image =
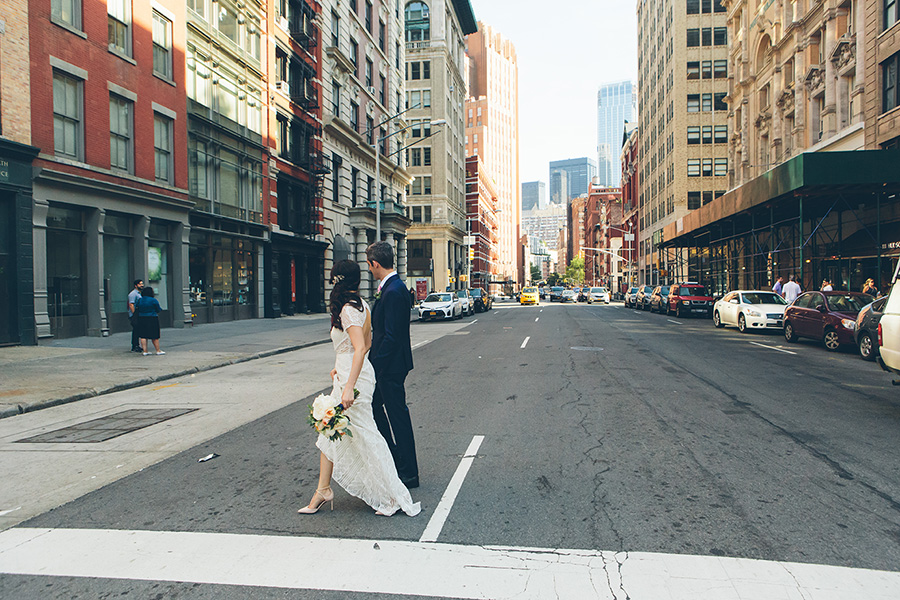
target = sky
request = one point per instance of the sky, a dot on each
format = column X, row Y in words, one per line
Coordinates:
column 566, row 49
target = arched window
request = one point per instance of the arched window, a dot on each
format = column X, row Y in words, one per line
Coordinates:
column 763, row 52
column 418, row 25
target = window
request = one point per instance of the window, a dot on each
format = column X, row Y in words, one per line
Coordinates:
column 417, row 214
column 720, row 69
column 162, row 148
column 370, row 131
column 381, row 35
column 66, row 11
column 693, row 69
column 721, row 169
column 228, row 22
column 890, row 13
column 706, row 104
column 426, row 185
column 426, row 98
column 415, row 70
column 368, row 16
column 354, row 115
column 693, row 200
column 67, row 119
column 707, row 69
column 336, row 99
column 426, row 157
column 415, row 157
column 382, row 94
column 336, row 162
column 120, row 133
column 693, row 103
column 707, row 7
column 693, row 135
column 198, row 6
column 693, row 7
column 162, row 46
column 719, row 101
column 718, row 7
column 707, row 36
column 354, row 178
column 720, row 36
column 353, row 6
column 284, row 136
column 693, row 38
column 707, row 197
column 397, row 55
column 426, row 69
column 707, row 134
column 368, row 73
column 890, row 69
column 119, row 25
column 693, row 167
column 721, row 134
column 707, row 167
column 416, row 189
column 335, row 30
column 354, row 56
column 417, row 24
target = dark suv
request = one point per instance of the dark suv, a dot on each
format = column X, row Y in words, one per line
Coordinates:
column 556, row 293
column 689, row 298
column 482, row 300
column 642, row 299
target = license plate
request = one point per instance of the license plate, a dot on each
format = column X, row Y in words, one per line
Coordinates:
column 432, row 314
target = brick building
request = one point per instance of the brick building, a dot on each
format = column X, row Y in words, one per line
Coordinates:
column 482, row 201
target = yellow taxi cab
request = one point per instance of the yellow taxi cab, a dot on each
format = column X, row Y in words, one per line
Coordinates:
column 529, row 296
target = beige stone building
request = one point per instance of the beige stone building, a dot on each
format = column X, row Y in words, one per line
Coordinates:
column 682, row 84
column 435, row 69
column 492, row 131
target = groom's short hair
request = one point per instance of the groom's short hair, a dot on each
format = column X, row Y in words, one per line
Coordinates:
column 382, row 253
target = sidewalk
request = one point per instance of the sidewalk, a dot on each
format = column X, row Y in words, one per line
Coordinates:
column 61, row 371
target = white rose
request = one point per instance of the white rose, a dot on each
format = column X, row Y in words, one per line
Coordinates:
column 321, row 405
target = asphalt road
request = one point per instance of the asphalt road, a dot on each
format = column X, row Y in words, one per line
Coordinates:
column 604, row 429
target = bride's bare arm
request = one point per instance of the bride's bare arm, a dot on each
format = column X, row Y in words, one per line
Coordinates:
column 360, row 347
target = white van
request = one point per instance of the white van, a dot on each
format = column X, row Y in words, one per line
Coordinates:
column 889, row 330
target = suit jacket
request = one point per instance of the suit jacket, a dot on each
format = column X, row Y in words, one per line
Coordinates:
column 391, row 351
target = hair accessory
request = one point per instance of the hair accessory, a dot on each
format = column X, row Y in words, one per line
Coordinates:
column 337, row 278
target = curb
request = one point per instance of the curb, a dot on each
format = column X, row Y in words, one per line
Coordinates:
column 20, row 409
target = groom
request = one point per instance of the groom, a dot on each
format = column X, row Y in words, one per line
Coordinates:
column 391, row 356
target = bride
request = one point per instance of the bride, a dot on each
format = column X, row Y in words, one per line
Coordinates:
column 360, row 463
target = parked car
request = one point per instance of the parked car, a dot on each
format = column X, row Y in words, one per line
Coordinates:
column 468, row 305
column 867, row 328
column 889, row 330
column 750, row 310
column 442, row 305
column 630, row 297
column 483, row 300
column 530, row 295
column 598, row 294
column 642, row 299
column 826, row 316
column 688, row 298
column 658, row 298
column 567, row 296
column 556, row 293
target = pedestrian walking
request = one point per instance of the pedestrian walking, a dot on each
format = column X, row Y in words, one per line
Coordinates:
column 777, row 288
column 148, row 309
column 869, row 288
column 133, row 296
column 826, row 285
column 791, row 289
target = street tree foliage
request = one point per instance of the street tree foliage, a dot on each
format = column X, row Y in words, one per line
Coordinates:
column 553, row 279
column 535, row 273
column 575, row 270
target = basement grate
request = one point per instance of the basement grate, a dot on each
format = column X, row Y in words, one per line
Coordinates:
column 108, row 427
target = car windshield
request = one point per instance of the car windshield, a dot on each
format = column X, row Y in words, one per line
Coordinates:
column 848, row 303
column 696, row 290
column 529, row 291
column 598, row 290
column 438, row 298
column 663, row 290
column 476, row 293
column 762, row 298
column 568, row 293
column 647, row 289
column 556, row 289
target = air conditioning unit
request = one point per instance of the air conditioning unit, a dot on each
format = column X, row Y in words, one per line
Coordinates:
column 282, row 86
column 283, row 22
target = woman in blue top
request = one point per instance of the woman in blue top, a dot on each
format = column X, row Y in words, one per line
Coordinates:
column 147, row 309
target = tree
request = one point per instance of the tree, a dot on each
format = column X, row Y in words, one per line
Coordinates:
column 553, row 279
column 575, row 270
column 535, row 273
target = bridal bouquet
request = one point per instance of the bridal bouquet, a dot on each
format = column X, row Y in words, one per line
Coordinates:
column 327, row 416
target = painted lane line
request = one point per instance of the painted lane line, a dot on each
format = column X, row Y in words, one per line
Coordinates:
column 3, row 513
column 676, row 322
column 536, row 319
column 420, row 344
column 442, row 570
column 773, row 348
column 439, row 517
column 525, row 342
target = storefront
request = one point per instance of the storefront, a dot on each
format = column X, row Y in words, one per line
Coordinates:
column 16, row 259
column 296, row 268
column 833, row 215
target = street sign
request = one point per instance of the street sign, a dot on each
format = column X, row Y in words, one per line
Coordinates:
column 469, row 240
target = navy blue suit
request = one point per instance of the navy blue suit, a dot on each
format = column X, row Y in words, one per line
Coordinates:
column 391, row 357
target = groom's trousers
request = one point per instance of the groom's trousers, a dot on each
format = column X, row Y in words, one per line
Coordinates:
column 392, row 418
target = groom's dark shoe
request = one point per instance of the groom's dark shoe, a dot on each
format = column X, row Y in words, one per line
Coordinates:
column 412, row 482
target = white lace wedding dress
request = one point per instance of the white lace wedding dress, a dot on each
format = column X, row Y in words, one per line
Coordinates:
column 363, row 465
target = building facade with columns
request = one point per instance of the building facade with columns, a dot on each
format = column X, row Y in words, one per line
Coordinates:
column 435, row 33
column 364, row 104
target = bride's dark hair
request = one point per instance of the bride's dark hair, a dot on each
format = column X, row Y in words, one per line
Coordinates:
column 345, row 278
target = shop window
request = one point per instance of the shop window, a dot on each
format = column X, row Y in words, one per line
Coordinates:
column 65, row 263
column 118, row 260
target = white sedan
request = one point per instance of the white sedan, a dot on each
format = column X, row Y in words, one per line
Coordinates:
column 598, row 294
column 750, row 310
column 443, row 305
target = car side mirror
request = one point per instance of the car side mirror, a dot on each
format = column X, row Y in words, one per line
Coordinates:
column 822, row 308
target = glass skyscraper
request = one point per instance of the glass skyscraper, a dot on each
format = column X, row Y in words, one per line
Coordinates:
column 570, row 178
column 615, row 105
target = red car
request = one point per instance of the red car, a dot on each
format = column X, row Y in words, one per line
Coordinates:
column 826, row 316
column 689, row 298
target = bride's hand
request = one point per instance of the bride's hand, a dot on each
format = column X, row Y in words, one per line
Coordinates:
column 333, row 373
column 347, row 397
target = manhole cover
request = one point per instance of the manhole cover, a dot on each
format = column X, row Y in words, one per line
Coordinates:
column 587, row 348
column 106, row 428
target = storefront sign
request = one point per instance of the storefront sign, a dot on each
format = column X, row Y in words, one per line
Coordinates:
column 890, row 246
column 15, row 172
column 4, row 170
column 421, row 288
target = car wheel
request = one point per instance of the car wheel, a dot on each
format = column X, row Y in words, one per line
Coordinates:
column 831, row 341
column 742, row 324
column 678, row 311
column 866, row 346
column 789, row 333
column 717, row 320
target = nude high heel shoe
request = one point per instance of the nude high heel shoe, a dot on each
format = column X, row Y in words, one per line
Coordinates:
column 326, row 494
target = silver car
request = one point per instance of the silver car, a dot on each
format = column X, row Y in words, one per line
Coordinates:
column 598, row 294
column 468, row 302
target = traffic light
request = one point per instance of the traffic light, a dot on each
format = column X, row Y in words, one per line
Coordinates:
column 471, row 253
column 449, row 273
